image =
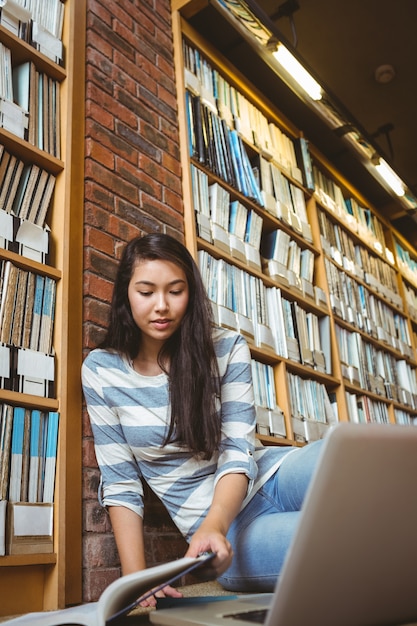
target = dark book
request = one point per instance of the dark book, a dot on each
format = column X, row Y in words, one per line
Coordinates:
column 304, row 162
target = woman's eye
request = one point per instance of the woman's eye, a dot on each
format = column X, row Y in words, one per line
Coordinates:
column 145, row 293
column 177, row 292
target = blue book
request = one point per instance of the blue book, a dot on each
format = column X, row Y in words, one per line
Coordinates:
column 50, row 456
column 37, row 312
column 47, row 317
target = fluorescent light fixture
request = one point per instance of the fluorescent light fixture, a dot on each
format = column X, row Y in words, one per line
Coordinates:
column 390, row 177
column 297, row 71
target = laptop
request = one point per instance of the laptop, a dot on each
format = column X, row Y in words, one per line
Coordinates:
column 353, row 559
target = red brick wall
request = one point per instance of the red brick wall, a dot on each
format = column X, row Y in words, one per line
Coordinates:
column 132, row 186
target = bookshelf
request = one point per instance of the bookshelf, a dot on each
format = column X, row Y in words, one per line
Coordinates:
column 325, row 293
column 34, row 580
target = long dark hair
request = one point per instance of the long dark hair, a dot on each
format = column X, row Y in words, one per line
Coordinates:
column 193, row 372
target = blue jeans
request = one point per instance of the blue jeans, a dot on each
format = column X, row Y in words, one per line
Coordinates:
column 262, row 532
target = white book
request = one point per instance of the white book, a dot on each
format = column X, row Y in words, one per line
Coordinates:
column 120, row 597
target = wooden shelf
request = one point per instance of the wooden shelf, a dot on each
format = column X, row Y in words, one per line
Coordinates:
column 54, row 580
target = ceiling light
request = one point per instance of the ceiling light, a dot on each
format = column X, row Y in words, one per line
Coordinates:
column 390, row 177
column 297, row 71
column 257, row 28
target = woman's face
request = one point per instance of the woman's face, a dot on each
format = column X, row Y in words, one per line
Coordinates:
column 158, row 295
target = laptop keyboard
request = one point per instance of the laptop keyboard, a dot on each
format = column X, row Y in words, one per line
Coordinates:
column 257, row 616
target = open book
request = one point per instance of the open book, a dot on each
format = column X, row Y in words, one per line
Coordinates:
column 118, row 598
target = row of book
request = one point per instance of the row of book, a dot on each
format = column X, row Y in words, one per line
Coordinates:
column 360, row 219
column 287, row 262
column 29, row 103
column 27, row 371
column 38, row 22
column 376, row 370
column 283, row 198
column 411, row 299
column 313, row 410
column 219, row 148
column 38, row 94
column 407, row 263
column 355, row 258
column 241, row 301
column 26, row 189
column 217, row 111
column 27, row 308
column 226, row 222
column 28, row 455
column 269, row 416
column 404, row 417
column 356, row 304
column 239, row 113
column 28, row 448
column 364, row 410
column 12, row 117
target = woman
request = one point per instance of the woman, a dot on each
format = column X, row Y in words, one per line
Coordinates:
column 170, row 401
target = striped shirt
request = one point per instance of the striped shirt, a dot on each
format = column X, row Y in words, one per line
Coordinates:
column 130, row 413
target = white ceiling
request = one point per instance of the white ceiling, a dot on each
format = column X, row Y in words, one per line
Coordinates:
column 343, row 42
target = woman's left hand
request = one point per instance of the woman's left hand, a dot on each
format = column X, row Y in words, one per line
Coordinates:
column 166, row 592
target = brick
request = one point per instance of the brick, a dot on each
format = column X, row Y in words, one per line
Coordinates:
column 86, row 426
column 172, row 164
column 135, row 105
column 99, row 153
column 98, row 61
column 100, row 115
column 96, row 518
column 97, row 213
column 99, row 240
column 116, row 143
column 157, row 104
column 100, row 550
column 124, row 14
column 100, row 10
column 91, row 481
column 92, row 336
column 137, row 142
column 108, row 179
column 141, row 219
column 103, row 265
column 173, row 200
column 108, row 34
column 154, row 136
column 95, row 582
column 123, row 229
column 88, row 454
column 96, row 312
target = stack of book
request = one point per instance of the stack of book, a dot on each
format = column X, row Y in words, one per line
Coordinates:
column 27, row 311
column 39, row 22
column 269, row 416
column 284, row 260
column 229, row 224
column 13, row 117
column 38, row 94
column 312, row 409
column 25, row 197
column 28, row 451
